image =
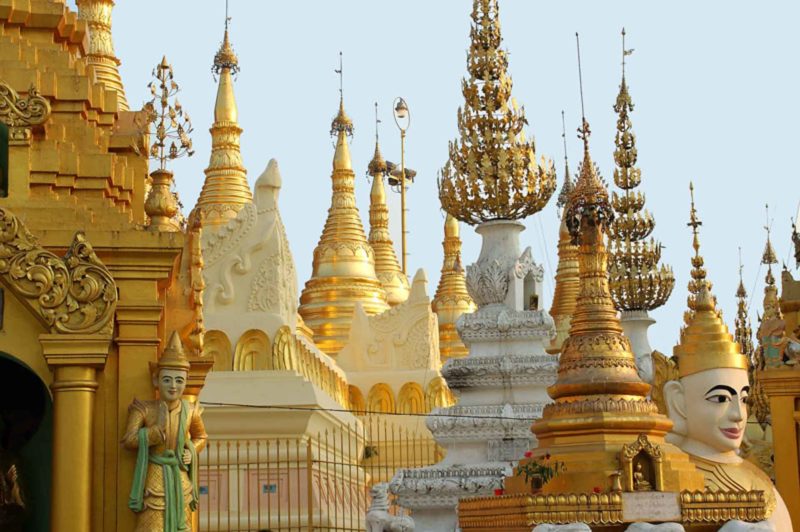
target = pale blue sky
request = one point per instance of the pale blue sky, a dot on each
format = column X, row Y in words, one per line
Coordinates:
column 714, row 83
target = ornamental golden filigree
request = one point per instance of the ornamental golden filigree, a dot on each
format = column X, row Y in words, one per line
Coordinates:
column 21, row 114
column 76, row 294
column 492, row 172
column 635, row 279
column 164, row 110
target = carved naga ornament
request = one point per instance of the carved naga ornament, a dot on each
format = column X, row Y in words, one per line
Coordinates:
column 21, row 114
column 73, row 294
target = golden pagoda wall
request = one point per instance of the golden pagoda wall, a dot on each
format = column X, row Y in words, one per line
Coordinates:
column 74, row 165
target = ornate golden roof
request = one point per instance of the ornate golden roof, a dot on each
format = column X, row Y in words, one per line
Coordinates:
column 635, row 278
column 225, row 190
column 743, row 332
column 388, row 270
column 343, row 272
column 100, row 54
column 452, row 298
column 705, row 342
column 492, row 171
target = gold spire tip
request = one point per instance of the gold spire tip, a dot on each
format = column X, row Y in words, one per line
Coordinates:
column 341, row 122
column 225, row 57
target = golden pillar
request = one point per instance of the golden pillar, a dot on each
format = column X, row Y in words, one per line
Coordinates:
column 74, row 359
column 782, row 386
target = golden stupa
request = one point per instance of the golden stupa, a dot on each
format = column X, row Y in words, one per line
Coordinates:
column 452, row 298
column 567, row 278
column 343, row 271
column 387, row 268
column 225, row 189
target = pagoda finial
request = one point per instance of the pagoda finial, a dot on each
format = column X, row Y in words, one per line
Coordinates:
column 492, row 176
column 225, row 57
column 568, row 185
column 341, row 125
column 638, row 282
column 377, row 166
column 225, row 189
column 698, row 272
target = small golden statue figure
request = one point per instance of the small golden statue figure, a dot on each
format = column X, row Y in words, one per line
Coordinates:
column 640, row 483
column 167, row 434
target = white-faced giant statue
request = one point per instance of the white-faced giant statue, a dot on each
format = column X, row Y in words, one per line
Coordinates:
column 707, row 404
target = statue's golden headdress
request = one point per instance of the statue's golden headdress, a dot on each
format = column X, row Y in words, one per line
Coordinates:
column 705, row 341
column 173, row 356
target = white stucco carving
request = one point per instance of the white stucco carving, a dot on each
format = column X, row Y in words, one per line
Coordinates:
column 249, row 271
column 500, row 386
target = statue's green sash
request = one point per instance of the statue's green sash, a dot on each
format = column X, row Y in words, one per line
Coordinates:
column 171, row 463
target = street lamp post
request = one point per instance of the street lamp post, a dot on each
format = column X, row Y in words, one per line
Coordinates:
column 402, row 117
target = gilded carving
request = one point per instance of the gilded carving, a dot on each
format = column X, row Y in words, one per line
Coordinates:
column 21, row 114
column 76, row 294
column 641, row 463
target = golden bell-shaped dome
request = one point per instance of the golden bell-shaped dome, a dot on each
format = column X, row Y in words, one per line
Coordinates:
column 343, row 271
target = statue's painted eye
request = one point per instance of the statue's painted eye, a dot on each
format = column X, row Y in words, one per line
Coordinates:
column 718, row 398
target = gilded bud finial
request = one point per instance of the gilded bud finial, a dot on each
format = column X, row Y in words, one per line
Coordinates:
column 698, row 272
column 377, row 166
column 492, row 171
column 638, row 282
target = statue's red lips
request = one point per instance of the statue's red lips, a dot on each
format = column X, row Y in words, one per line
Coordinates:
column 732, row 433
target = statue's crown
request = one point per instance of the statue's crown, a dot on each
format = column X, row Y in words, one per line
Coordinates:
column 173, row 356
column 705, row 341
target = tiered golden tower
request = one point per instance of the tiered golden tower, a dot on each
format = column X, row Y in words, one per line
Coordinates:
column 600, row 403
column 451, row 299
column 565, row 295
column 225, row 190
column 636, row 281
column 492, row 176
column 387, row 268
column 344, row 263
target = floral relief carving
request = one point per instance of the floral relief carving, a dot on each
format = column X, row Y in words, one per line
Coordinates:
column 73, row 294
column 487, row 283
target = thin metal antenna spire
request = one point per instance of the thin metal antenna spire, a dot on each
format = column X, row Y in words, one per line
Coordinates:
column 583, row 131
column 741, row 266
column 377, row 121
column 564, row 136
column 341, row 81
column 580, row 75
column 227, row 18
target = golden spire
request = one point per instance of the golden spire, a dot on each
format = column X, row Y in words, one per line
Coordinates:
column 698, row 272
column 452, row 298
column 388, row 270
column 600, row 403
column 496, row 175
column 635, row 278
column 343, row 271
column 743, row 332
column 100, row 53
column 565, row 295
column 768, row 258
column 225, row 190
column 705, row 342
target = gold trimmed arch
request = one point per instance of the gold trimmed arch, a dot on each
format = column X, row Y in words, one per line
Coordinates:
column 356, row 399
column 284, row 350
column 381, row 399
column 217, row 347
column 252, row 351
column 411, row 399
column 438, row 394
